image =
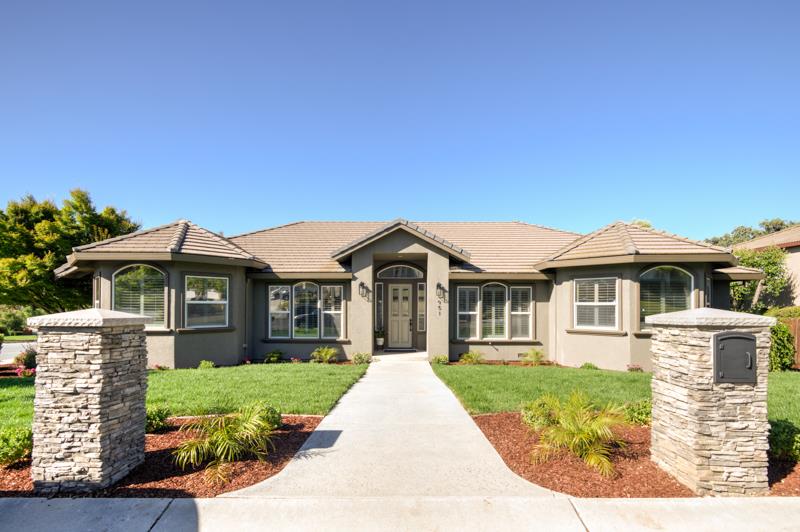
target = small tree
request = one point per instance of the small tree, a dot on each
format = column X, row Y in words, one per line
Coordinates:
column 758, row 296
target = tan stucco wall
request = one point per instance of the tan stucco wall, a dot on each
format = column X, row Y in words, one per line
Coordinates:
column 793, row 268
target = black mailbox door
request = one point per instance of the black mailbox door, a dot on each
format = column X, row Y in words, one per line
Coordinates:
column 735, row 357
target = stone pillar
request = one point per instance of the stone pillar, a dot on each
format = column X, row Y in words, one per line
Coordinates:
column 711, row 436
column 89, row 409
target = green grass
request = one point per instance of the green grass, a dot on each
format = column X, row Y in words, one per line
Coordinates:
column 485, row 389
column 20, row 338
column 292, row 388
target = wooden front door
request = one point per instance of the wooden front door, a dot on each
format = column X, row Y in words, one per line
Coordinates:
column 399, row 316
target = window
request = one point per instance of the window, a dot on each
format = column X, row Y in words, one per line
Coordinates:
column 521, row 311
column 306, row 310
column 467, row 306
column 493, row 311
column 206, row 301
column 332, row 311
column 664, row 289
column 279, row 311
column 421, row 307
column 379, row 307
column 139, row 289
column 596, row 303
column 400, row 272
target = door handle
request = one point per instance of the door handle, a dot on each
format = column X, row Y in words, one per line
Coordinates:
column 749, row 360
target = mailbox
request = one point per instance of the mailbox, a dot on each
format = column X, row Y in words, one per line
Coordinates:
column 734, row 357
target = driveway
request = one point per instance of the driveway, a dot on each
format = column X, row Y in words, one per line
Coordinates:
column 10, row 350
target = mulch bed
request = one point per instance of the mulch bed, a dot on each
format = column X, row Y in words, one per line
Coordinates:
column 158, row 476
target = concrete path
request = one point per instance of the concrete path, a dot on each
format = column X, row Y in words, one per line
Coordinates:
column 399, row 431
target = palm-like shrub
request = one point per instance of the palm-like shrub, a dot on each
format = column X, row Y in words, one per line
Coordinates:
column 581, row 428
column 471, row 357
column 225, row 439
column 534, row 357
column 324, row 354
column 440, row 359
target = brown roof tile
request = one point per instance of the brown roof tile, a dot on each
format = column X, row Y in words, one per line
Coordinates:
column 786, row 238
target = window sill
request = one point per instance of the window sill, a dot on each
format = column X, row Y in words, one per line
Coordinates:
column 597, row 332
column 643, row 334
column 498, row 341
column 157, row 331
column 336, row 341
column 193, row 330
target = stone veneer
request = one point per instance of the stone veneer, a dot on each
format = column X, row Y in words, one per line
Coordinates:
column 711, row 437
column 89, row 409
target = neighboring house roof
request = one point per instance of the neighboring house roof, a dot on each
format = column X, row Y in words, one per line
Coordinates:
column 495, row 247
column 621, row 242
column 785, row 238
column 738, row 273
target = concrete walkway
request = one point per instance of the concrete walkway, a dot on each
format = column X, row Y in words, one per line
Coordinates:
column 399, row 431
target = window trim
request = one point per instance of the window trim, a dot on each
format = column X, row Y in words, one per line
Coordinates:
column 506, row 305
column 186, row 301
column 575, row 304
column 148, row 326
column 390, row 266
column 477, row 312
column 271, row 287
column 322, row 313
column 692, row 301
column 422, row 312
column 529, row 313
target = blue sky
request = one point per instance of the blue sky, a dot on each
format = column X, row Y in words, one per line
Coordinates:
column 242, row 115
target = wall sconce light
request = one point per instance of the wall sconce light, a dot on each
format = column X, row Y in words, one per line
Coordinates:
column 441, row 291
column 363, row 289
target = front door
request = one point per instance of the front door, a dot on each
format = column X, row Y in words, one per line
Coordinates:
column 399, row 316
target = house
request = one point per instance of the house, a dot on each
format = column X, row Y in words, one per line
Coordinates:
column 789, row 240
column 501, row 288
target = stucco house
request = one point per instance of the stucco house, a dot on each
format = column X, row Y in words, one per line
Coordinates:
column 442, row 287
column 789, row 240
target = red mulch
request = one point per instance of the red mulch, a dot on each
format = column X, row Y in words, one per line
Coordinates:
column 158, row 476
column 784, row 478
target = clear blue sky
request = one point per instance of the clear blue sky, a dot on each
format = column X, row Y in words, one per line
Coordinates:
column 242, row 115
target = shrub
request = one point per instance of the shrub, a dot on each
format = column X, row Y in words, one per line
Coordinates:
column 471, row 357
column 15, row 444
column 362, row 358
column 784, row 440
column 440, row 359
column 783, row 312
column 13, row 320
column 533, row 357
column 206, row 364
column 781, row 353
column 588, row 365
column 2, row 337
column 635, row 368
column 27, row 358
column 541, row 412
column 295, row 360
column 273, row 357
column 325, row 354
column 639, row 412
column 156, row 418
column 225, row 439
column 24, row 372
column 581, row 428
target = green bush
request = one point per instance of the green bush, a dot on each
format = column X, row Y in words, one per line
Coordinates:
column 273, row 357
column 781, row 352
column 2, row 337
column 440, row 359
column 15, row 444
column 784, row 440
column 639, row 412
column 222, row 440
column 27, row 358
column 13, row 320
column 325, row 354
column 581, row 428
column 783, row 312
column 156, row 418
column 471, row 357
column 541, row 412
column 533, row 357
column 362, row 358
column 588, row 365
column 635, row 368
column 206, row 364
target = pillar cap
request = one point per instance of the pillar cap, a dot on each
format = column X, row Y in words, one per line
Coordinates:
column 90, row 317
column 710, row 317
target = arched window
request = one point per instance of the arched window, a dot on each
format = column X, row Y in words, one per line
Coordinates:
column 664, row 289
column 493, row 311
column 400, row 272
column 306, row 310
column 139, row 289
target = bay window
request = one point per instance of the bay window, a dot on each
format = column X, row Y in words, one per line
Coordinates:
column 139, row 289
column 664, row 289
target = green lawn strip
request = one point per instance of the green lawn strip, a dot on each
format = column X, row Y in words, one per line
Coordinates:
column 19, row 338
column 783, row 401
column 292, row 388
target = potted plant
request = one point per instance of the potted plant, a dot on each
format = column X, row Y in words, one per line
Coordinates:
column 379, row 338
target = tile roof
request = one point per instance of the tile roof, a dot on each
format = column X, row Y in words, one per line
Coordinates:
column 508, row 247
column 786, row 238
column 400, row 223
column 621, row 239
column 181, row 236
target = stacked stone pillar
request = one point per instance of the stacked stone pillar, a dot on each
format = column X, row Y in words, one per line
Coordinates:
column 89, row 408
column 711, row 436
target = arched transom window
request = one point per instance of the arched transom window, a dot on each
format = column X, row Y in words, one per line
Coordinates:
column 139, row 289
column 664, row 289
column 400, row 272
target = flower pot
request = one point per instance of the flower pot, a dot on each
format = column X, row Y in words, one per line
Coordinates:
column 379, row 341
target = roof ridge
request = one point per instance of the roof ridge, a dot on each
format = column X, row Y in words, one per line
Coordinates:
column 627, row 241
column 679, row 237
column 125, row 236
column 180, row 235
column 224, row 241
column 578, row 241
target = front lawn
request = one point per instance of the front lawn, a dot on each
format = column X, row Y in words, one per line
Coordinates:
column 20, row 338
column 293, row 388
column 484, row 389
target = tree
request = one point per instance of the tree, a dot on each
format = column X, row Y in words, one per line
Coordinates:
column 744, row 233
column 758, row 296
column 36, row 237
column 645, row 224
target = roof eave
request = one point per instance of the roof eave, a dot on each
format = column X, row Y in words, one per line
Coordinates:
column 638, row 258
column 164, row 256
